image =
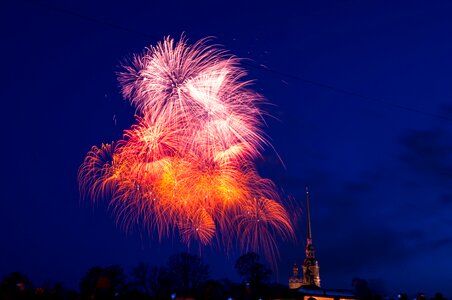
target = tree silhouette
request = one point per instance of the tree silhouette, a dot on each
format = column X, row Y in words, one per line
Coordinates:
column 254, row 275
column 140, row 276
column 251, row 270
column 15, row 286
column 160, row 282
column 51, row 290
column 187, row 273
column 152, row 281
column 361, row 288
column 214, row 290
column 103, row 283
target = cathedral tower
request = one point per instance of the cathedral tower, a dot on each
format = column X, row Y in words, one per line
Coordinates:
column 311, row 276
column 295, row 281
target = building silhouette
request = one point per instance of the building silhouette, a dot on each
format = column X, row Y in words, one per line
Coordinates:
column 308, row 286
column 311, row 270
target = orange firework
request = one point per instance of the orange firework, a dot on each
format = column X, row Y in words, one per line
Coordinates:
column 186, row 166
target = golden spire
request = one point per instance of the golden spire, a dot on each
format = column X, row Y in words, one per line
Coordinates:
column 311, row 277
column 308, row 219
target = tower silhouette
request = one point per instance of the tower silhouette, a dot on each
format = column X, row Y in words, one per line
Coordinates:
column 311, row 276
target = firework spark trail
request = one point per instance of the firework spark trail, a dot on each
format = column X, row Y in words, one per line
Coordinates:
column 186, row 165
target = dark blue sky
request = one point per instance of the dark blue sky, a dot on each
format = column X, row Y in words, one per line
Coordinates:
column 380, row 175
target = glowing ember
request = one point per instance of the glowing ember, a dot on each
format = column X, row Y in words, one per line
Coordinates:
column 186, row 165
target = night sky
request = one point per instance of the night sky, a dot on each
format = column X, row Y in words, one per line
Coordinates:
column 361, row 99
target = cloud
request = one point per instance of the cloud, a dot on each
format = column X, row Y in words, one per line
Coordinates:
column 445, row 199
column 352, row 231
column 349, row 239
column 446, row 110
column 441, row 243
column 359, row 187
column 365, row 246
column 429, row 152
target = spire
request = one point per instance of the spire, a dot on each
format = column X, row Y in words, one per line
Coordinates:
column 311, row 277
column 308, row 219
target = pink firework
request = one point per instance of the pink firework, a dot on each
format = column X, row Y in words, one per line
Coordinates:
column 186, row 166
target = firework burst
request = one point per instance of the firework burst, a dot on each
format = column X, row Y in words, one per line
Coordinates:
column 186, row 166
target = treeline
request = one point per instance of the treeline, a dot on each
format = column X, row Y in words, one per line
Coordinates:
column 185, row 276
